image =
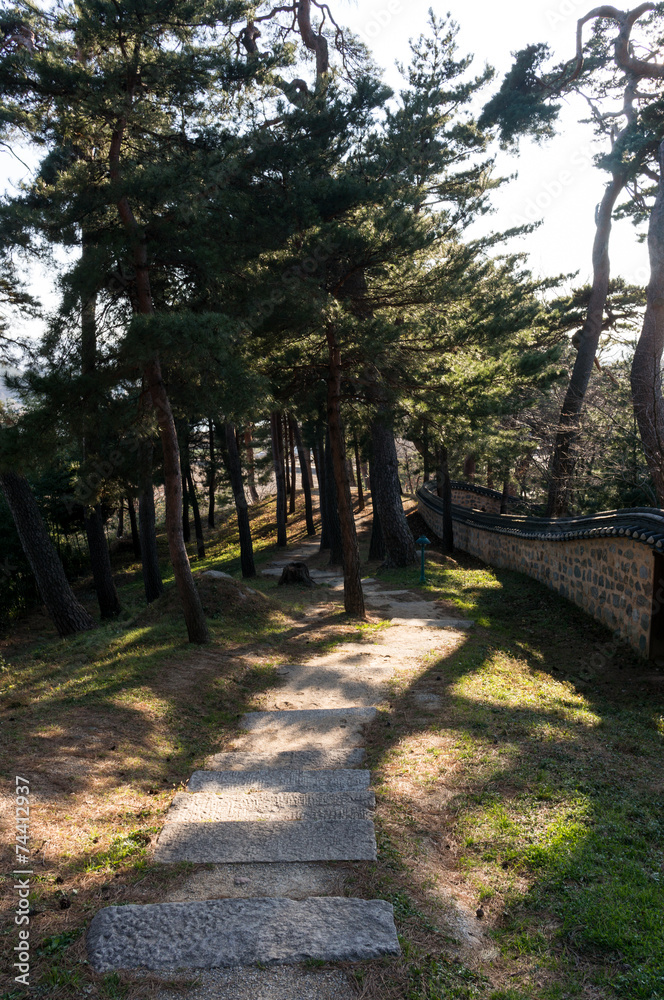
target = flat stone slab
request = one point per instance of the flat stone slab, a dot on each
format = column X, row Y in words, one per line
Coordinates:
column 288, row 759
column 230, row 932
column 296, row 880
column 304, row 729
column 278, row 780
column 457, row 623
column 267, row 840
column 332, row 685
column 308, row 717
column 278, row 982
column 292, row 806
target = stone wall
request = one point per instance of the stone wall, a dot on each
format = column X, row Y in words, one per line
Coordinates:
column 611, row 578
column 473, row 501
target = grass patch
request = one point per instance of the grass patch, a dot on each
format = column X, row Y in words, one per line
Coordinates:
column 532, row 798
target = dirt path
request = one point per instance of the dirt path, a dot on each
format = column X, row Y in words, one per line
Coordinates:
column 276, row 813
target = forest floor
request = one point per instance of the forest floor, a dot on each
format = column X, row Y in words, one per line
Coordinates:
column 518, row 774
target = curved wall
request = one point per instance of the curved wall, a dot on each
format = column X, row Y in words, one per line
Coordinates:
column 610, row 564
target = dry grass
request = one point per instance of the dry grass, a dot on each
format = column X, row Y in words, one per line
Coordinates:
column 528, row 791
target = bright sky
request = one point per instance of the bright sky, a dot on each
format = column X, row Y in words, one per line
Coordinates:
column 555, row 182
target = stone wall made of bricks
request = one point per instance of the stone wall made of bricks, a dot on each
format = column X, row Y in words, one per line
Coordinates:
column 610, row 578
column 475, row 501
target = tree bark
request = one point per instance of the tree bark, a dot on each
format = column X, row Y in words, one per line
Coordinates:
column 304, row 472
column 135, row 540
column 251, row 472
column 333, row 526
column 376, row 541
column 569, row 426
column 100, row 560
column 646, row 375
column 198, row 525
column 358, row 473
column 353, row 595
column 68, row 615
column 444, row 491
column 319, row 452
column 291, row 450
column 504, row 497
column 278, row 459
column 386, row 494
column 120, row 532
column 212, row 481
column 283, row 430
column 194, row 615
column 234, row 469
column 469, row 468
column 307, row 460
column 152, row 581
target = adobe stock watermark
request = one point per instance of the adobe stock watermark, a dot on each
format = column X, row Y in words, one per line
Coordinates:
column 554, row 187
column 290, row 279
column 565, row 10
column 379, row 20
column 22, row 883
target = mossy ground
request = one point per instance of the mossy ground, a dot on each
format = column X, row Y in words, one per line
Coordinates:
column 532, row 794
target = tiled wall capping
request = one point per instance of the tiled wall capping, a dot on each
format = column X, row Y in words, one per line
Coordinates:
column 611, row 564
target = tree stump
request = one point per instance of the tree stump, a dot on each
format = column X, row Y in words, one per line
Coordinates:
column 296, row 572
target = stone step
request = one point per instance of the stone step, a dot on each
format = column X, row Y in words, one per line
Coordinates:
column 291, row 806
column 304, row 760
column 229, row 932
column 279, row 780
column 304, row 729
column 456, row 623
column 330, row 685
column 294, row 879
column 308, row 717
column 267, row 840
column 278, row 982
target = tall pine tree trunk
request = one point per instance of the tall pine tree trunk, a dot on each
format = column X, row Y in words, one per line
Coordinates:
column 358, row 473
column 444, row 491
column 251, row 471
column 212, row 481
column 386, row 494
column 353, row 596
column 306, row 485
column 285, row 459
column 278, row 460
column 569, row 426
column 646, row 375
column 198, row 525
column 68, row 615
column 291, row 451
column 319, row 452
column 100, row 558
column 234, row 469
column 120, row 532
column 147, row 528
column 135, row 540
column 376, row 540
column 332, row 512
column 194, row 615
column 505, row 495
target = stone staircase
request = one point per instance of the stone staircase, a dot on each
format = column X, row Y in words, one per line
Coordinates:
column 291, row 797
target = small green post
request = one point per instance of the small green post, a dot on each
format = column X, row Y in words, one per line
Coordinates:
column 422, row 541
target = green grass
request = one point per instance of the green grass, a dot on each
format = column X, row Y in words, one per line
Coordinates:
column 552, row 751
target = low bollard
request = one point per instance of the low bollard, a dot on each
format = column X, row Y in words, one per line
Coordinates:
column 422, row 541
